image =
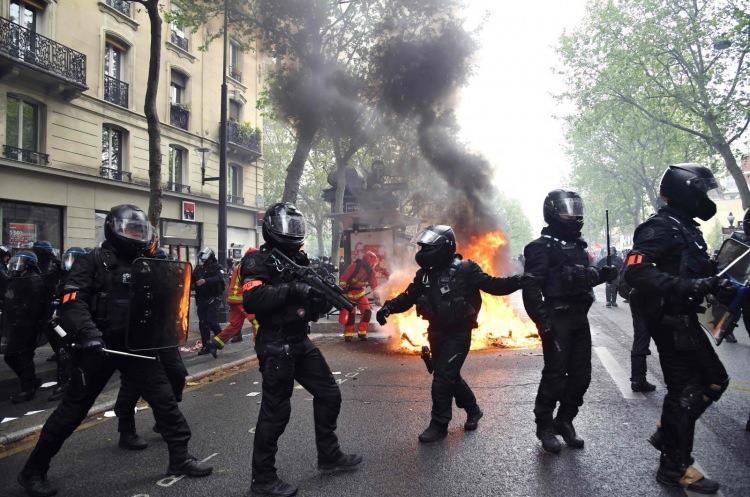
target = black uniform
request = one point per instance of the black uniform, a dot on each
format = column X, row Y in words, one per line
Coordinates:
column 95, row 306
column 611, row 287
column 559, row 306
column 208, row 298
column 52, row 275
column 449, row 299
column 286, row 354
column 24, row 303
column 668, row 257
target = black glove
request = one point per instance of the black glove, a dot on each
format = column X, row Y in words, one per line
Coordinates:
column 382, row 315
column 724, row 290
column 525, row 280
column 91, row 344
column 608, row 273
column 302, row 291
column 696, row 288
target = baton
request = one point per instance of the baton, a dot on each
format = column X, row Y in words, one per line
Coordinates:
column 609, row 255
column 61, row 332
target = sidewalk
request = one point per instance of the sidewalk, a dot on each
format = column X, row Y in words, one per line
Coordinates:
column 20, row 420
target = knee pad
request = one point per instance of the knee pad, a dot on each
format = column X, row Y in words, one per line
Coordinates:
column 366, row 315
column 714, row 391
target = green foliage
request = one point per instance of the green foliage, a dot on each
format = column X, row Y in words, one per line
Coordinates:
column 517, row 225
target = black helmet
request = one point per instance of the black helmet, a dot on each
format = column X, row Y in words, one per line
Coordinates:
column 44, row 251
column 284, row 226
column 70, row 256
column 206, row 255
column 23, row 261
column 126, row 227
column 563, row 211
column 685, row 187
column 437, row 246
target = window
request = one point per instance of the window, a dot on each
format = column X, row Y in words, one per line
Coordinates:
column 24, row 223
column 22, row 124
column 235, row 110
column 235, row 56
column 115, row 89
column 176, row 157
column 177, row 87
column 121, row 6
column 112, row 150
column 112, row 61
column 24, row 13
column 235, row 184
column 177, row 34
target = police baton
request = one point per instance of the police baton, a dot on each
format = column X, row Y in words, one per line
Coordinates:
column 62, row 334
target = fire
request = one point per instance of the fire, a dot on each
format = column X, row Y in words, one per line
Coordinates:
column 499, row 323
column 183, row 314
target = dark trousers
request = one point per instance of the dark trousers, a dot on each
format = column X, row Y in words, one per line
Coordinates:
column 280, row 366
column 641, row 342
column 19, row 355
column 91, row 374
column 692, row 371
column 449, row 351
column 567, row 367
column 130, row 391
column 208, row 318
column 610, row 290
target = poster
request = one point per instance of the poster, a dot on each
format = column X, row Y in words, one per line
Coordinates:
column 188, row 211
column 380, row 242
column 21, row 235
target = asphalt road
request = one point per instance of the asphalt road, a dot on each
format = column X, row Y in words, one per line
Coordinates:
column 386, row 404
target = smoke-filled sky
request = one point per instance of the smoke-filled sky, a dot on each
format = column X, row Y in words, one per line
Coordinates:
column 507, row 112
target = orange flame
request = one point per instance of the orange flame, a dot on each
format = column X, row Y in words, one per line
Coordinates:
column 499, row 323
column 183, row 314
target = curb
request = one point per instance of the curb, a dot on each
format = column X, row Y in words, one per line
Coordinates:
column 106, row 406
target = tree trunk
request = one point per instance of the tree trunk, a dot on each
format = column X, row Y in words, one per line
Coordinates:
column 338, row 207
column 734, row 169
column 319, row 230
column 294, row 171
column 152, row 117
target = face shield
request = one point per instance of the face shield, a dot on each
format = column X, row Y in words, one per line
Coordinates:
column 430, row 237
column 19, row 263
column 703, row 184
column 569, row 208
column 131, row 229
column 286, row 224
column 68, row 260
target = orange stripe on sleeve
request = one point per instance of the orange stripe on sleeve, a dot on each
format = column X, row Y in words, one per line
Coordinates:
column 249, row 285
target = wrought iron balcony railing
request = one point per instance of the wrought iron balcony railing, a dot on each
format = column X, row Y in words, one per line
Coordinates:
column 23, row 155
column 177, row 187
column 235, row 74
column 178, row 40
column 120, row 6
column 115, row 91
column 115, row 174
column 236, row 199
column 243, row 137
column 179, row 116
column 42, row 53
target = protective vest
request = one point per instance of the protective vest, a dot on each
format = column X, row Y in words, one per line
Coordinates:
column 356, row 278
column 568, row 261
column 449, row 301
column 110, row 305
column 235, row 281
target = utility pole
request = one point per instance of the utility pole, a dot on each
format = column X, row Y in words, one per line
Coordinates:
column 223, row 151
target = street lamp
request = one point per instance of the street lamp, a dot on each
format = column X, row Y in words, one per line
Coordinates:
column 730, row 220
column 204, row 153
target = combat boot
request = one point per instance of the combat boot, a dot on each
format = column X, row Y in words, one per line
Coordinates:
column 730, row 338
column 472, row 419
column 130, row 440
column 22, row 396
column 436, row 431
column 362, row 338
column 347, row 338
column 275, row 488
column 546, row 434
column 35, row 483
column 213, row 349
column 345, row 462
column 565, row 428
column 236, row 338
column 189, row 467
column 657, row 439
column 642, row 385
column 689, row 479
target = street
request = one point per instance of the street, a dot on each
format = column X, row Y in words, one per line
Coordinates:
column 386, row 403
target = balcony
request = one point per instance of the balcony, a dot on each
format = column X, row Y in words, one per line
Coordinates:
column 243, row 141
column 235, row 74
column 178, row 40
column 41, row 60
column 115, row 91
column 236, row 199
column 121, row 6
column 179, row 116
column 177, row 187
column 115, row 174
column 23, row 155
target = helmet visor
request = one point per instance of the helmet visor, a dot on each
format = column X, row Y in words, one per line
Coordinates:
column 704, row 184
column 140, row 231
column 569, row 208
column 287, row 224
column 68, row 260
column 18, row 264
column 429, row 237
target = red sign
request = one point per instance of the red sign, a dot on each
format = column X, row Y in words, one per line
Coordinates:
column 21, row 235
column 188, row 211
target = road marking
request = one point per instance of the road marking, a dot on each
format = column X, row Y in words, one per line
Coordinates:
column 348, row 376
column 696, row 494
column 171, row 480
column 617, row 373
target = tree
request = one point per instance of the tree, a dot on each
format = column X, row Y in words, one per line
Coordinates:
column 149, row 109
column 680, row 63
column 517, row 225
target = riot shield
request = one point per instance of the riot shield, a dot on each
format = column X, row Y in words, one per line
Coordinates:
column 159, row 304
column 733, row 263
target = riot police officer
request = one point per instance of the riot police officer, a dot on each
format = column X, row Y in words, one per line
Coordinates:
column 24, row 303
column 559, row 305
column 744, row 237
column 446, row 291
column 51, row 271
column 671, row 272
column 94, row 312
column 208, row 281
column 5, row 254
column 283, row 308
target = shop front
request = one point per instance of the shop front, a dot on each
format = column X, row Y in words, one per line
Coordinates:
column 181, row 239
column 25, row 223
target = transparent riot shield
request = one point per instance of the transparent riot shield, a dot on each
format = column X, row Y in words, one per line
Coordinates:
column 733, row 263
column 159, row 304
